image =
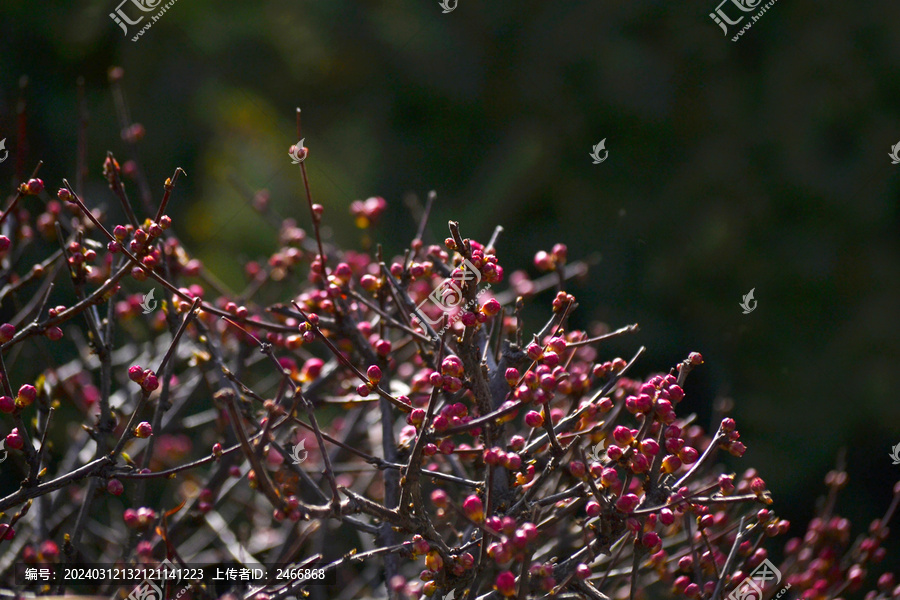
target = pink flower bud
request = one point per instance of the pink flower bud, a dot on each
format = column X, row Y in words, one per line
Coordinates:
column 115, row 487
column 737, row 449
column 506, row 584
column 609, row 477
column 150, row 382
column 534, row 419
column 550, row 358
column 666, row 516
column 27, row 394
column 560, row 252
column 473, row 508
column 416, row 417
column 688, row 455
column 439, row 498
column 130, row 517
column 136, row 373
column 491, row 307
column 651, row 539
column 452, row 366
column 374, row 374
column 577, row 469
column 143, row 430
column 7, row 404
column 726, row 484
column 543, row 261
column 14, row 440
column 757, row 486
column 34, row 186
column 534, row 351
column 383, row 348
column 512, row 461
column 640, row 463
column 650, row 447
column 623, row 435
column 671, row 463
column 7, row 332
column 627, row 503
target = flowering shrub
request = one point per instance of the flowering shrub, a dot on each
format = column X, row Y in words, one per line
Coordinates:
column 394, row 420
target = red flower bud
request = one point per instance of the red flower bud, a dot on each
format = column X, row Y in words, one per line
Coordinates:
column 14, row 440
column 27, row 394
column 506, row 583
column 34, row 186
column 534, row 351
column 7, row 332
column 623, row 435
column 671, row 463
column 627, row 503
column 115, row 487
column 534, row 419
column 143, row 430
column 439, row 498
column 491, row 307
column 473, row 508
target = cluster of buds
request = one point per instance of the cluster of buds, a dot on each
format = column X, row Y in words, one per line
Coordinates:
column 141, row 518
column 32, row 187
column 145, row 377
column 562, row 472
column 550, row 261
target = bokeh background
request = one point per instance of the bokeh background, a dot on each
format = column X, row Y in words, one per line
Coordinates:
column 758, row 164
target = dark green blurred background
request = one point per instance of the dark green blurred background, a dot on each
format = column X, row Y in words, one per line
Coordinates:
column 758, row 164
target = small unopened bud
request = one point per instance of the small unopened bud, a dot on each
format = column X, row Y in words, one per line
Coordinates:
column 136, row 373
column 143, row 430
column 27, row 394
column 34, row 186
column 473, row 508
column 491, row 307
column 115, row 487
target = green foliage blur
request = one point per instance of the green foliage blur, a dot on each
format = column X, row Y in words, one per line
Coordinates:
column 757, row 164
